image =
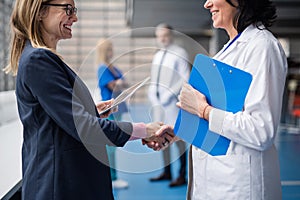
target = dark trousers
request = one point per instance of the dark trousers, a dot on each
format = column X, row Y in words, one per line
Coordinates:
column 167, row 159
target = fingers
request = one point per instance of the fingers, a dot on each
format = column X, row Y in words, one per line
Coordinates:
column 162, row 138
column 144, row 142
column 188, row 87
column 151, row 144
column 152, row 128
column 186, row 90
column 104, row 104
column 165, row 143
column 169, row 138
column 155, row 143
column 165, row 129
column 178, row 104
column 100, row 106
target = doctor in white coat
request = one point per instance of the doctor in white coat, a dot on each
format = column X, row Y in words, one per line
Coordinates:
column 250, row 168
column 170, row 69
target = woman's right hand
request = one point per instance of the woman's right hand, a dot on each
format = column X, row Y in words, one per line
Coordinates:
column 193, row 101
column 164, row 137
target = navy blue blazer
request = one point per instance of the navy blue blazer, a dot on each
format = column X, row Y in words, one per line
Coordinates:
column 63, row 154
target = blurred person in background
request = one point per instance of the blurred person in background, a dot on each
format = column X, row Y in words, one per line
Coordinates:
column 170, row 68
column 111, row 83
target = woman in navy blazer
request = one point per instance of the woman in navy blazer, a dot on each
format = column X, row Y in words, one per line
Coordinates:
column 63, row 153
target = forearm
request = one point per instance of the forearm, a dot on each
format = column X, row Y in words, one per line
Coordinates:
column 254, row 131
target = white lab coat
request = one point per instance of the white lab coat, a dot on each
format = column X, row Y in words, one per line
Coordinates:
column 174, row 71
column 250, row 169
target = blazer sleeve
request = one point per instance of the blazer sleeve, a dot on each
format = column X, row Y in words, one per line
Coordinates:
column 66, row 100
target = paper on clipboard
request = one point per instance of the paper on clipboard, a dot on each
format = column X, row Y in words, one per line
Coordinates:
column 125, row 95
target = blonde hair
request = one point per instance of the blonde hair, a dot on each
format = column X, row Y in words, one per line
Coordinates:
column 25, row 25
column 101, row 51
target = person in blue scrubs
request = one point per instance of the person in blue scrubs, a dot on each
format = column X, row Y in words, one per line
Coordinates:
column 111, row 83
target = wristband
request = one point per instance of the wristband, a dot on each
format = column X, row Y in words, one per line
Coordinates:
column 204, row 110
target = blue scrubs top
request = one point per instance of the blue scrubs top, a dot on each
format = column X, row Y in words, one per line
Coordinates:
column 105, row 76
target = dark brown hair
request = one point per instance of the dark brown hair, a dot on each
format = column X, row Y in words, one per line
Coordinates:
column 254, row 12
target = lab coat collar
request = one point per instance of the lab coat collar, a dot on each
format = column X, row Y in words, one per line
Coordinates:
column 249, row 33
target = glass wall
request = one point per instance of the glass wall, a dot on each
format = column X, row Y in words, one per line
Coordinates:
column 7, row 82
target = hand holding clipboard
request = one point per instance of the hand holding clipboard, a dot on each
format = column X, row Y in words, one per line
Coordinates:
column 225, row 87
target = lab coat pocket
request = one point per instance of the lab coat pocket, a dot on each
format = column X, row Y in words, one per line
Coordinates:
column 228, row 177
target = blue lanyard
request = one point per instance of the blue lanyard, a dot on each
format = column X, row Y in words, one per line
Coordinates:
column 234, row 39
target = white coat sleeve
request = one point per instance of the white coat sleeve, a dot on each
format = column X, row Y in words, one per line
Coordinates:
column 256, row 125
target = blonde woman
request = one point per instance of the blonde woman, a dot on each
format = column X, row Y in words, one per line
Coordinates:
column 64, row 139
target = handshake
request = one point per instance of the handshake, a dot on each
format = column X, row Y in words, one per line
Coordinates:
column 155, row 135
column 160, row 136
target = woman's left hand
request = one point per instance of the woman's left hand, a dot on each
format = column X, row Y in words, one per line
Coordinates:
column 192, row 100
column 105, row 104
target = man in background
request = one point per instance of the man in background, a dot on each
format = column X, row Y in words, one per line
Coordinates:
column 170, row 68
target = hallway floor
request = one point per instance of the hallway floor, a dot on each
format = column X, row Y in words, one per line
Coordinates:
column 145, row 163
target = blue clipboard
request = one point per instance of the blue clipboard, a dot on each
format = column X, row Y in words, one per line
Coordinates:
column 225, row 87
